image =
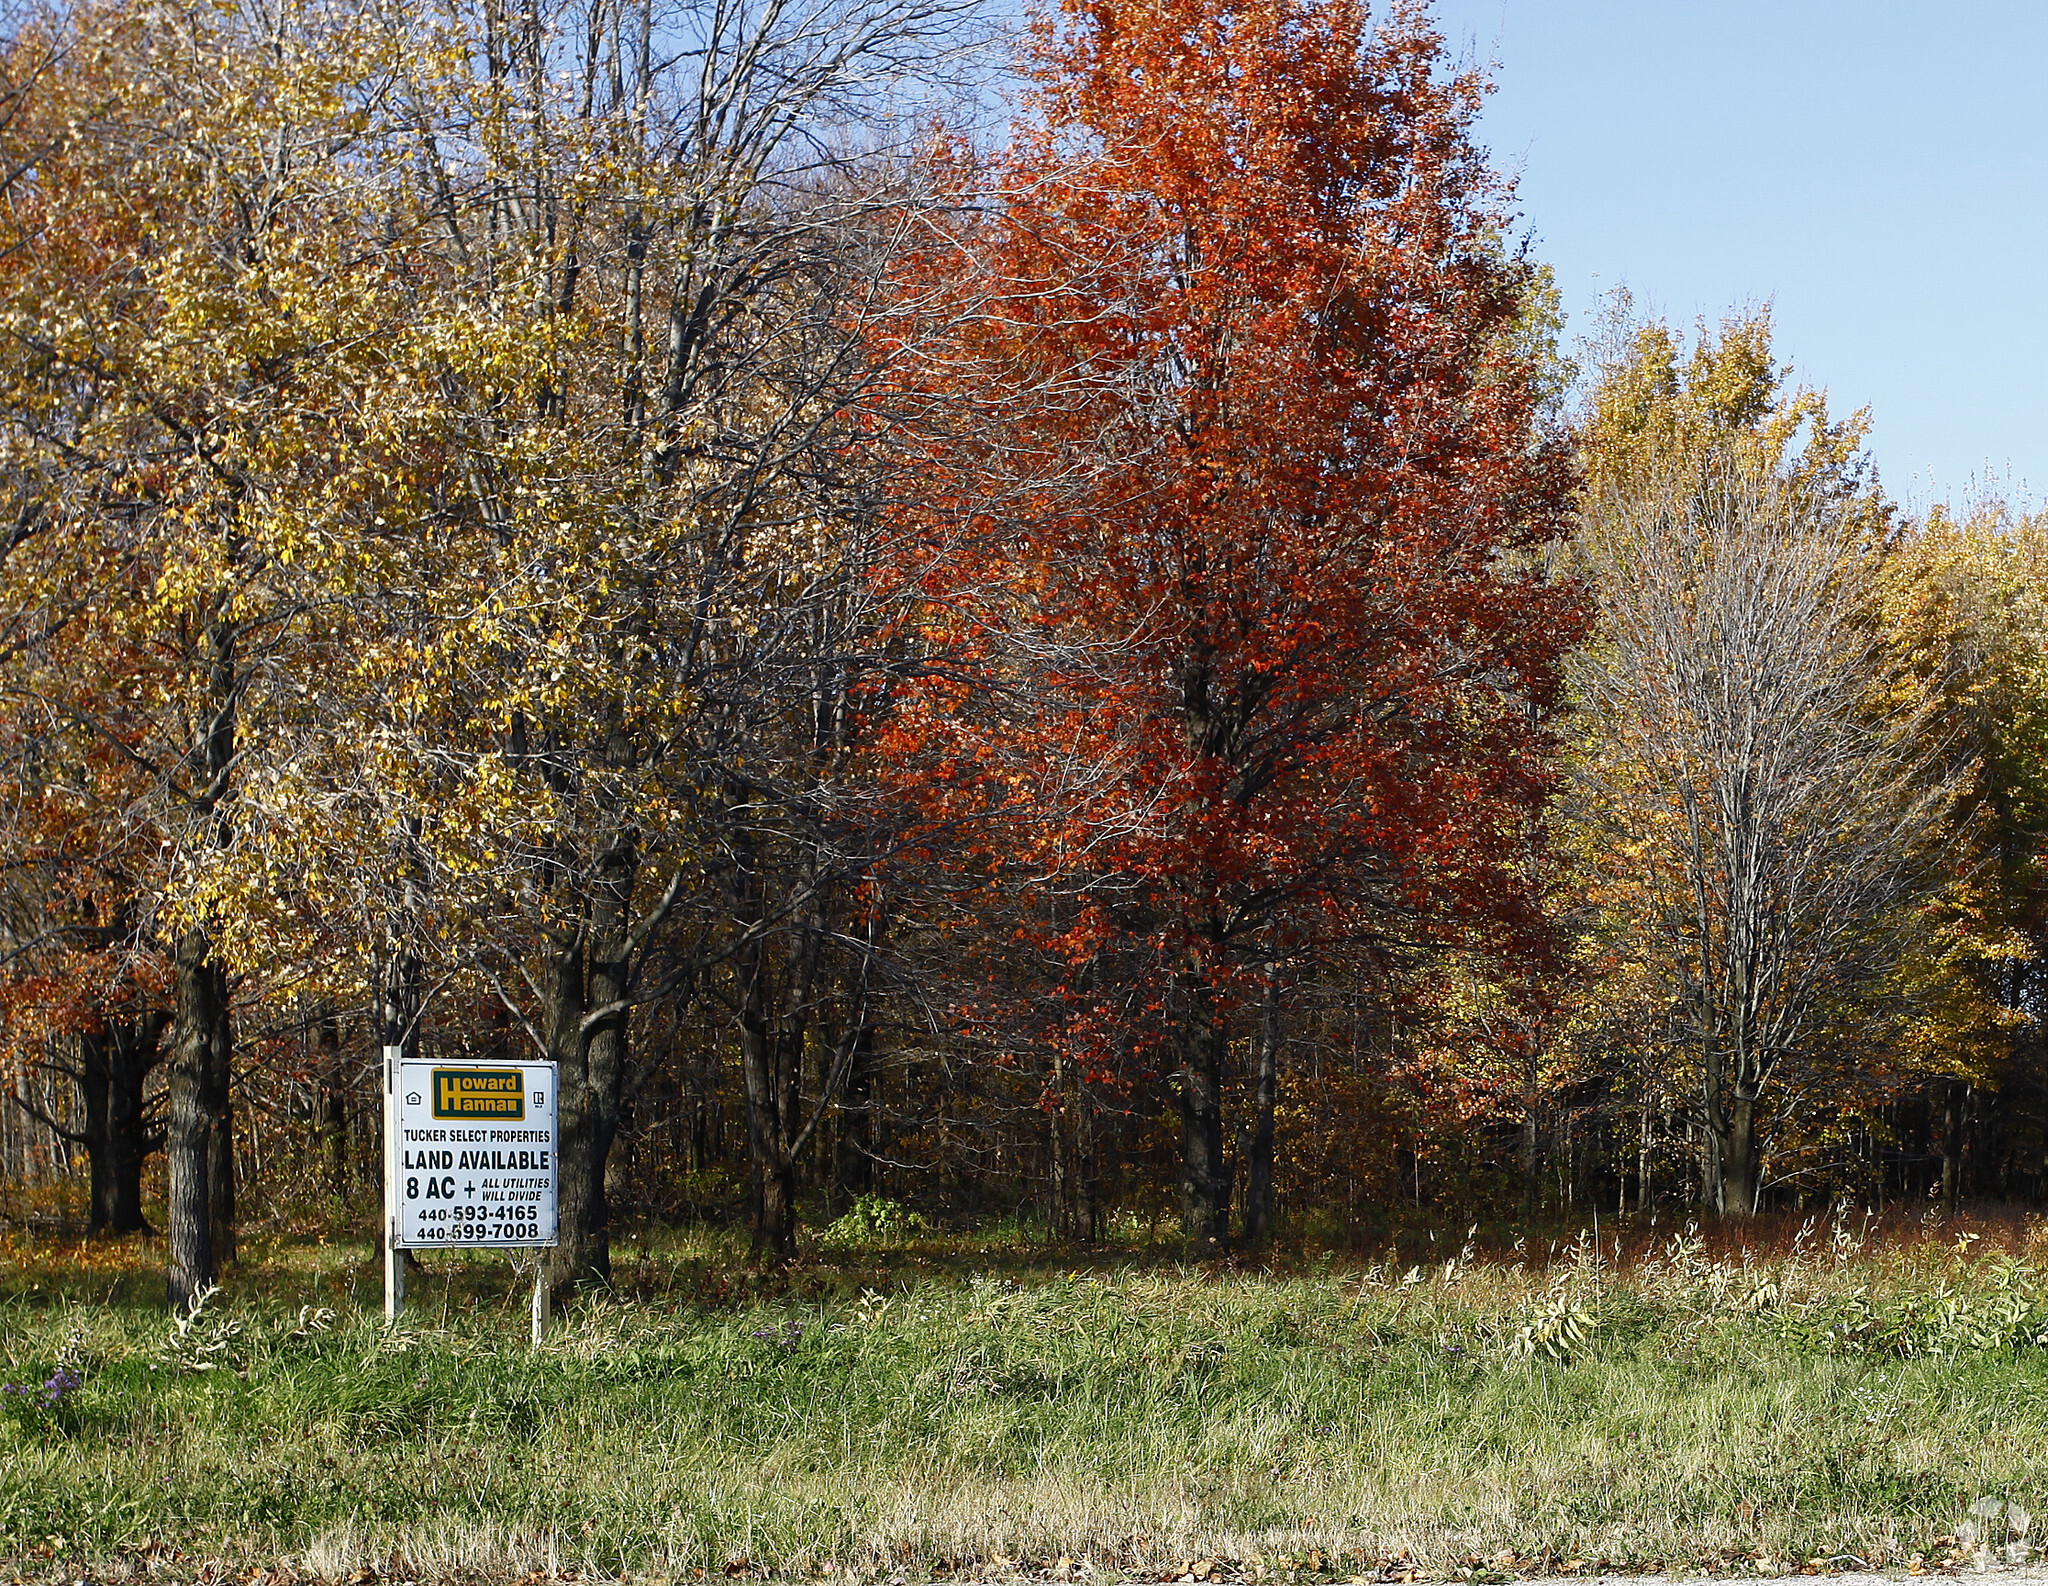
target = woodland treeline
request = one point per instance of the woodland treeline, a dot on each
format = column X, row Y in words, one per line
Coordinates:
column 1097, row 660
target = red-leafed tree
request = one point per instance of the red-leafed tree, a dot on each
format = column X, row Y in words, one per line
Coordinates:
column 1249, row 525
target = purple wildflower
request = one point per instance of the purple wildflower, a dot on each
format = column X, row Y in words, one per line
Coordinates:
column 51, row 1390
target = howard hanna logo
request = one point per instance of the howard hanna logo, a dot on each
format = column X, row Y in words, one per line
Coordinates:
column 496, row 1093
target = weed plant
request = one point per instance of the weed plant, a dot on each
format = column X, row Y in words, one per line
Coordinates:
column 938, row 1409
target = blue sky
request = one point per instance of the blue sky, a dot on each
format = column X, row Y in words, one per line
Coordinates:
column 1877, row 171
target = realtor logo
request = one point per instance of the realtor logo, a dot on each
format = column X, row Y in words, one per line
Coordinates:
column 496, row 1093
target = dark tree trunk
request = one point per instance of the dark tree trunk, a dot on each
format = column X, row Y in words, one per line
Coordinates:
column 1059, row 1197
column 589, row 1020
column 1985, row 1171
column 620, row 1164
column 580, row 1183
column 792, row 1038
column 1258, row 1183
column 1529, row 1151
column 398, row 1004
column 134, row 1049
column 773, row 1173
column 330, row 1107
column 607, row 1052
column 194, row 1124
column 853, row 1171
column 113, row 1061
column 92, row 1077
column 1738, row 1160
column 216, row 1077
column 1205, row 1191
column 220, row 1140
column 1713, row 1127
column 1087, row 1175
column 1951, row 1126
column 774, row 1037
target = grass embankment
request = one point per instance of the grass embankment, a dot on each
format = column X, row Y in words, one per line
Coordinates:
column 1679, row 1410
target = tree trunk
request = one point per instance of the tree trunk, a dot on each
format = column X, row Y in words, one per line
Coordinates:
column 1071, row 1135
column 397, row 1006
column 1087, row 1181
column 92, row 1077
column 773, row 1174
column 212, row 1050
column 853, row 1171
column 330, row 1107
column 1529, row 1151
column 1059, row 1199
column 589, row 1021
column 1258, row 1184
column 1951, row 1125
column 605, row 1059
column 400, row 1003
column 1984, row 1171
column 1711, row 1128
column 1643, row 1152
column 1738, row 1161
column 193, row 1125
column 133, row 1052
column 1205, row 1192
column 220, row 1140
column 579, row 1185
column 792, row 1036
column 620, row 1164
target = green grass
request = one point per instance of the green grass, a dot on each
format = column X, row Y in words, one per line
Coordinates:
column 905, row 1413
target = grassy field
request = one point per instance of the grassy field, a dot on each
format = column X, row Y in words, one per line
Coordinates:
column 948, row 1409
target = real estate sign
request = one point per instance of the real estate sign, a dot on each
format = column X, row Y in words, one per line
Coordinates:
column 470, row 1157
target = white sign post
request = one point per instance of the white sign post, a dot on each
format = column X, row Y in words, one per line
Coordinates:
column 470, row 1160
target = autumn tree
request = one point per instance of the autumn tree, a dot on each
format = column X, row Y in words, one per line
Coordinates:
column 1761, row 766
column 196, row 312
column 1250, row 536
column 81, row 985
column 81, row 988
column 605, row 612
column 1962, row 595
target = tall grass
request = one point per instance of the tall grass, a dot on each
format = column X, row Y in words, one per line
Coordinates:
column 926, row 1411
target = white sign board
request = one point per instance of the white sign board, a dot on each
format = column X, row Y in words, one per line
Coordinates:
column 471, row 1156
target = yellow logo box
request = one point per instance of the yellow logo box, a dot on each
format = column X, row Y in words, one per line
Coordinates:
column 496, row 1093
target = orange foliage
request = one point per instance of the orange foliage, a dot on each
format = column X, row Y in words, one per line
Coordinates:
column 1243, row 522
